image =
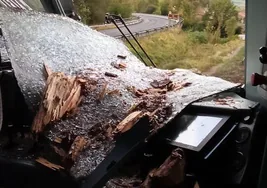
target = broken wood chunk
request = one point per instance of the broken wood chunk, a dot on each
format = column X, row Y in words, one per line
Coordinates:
column 109, row 74
column 135, row 106
column 160, row 84
column 48, row 164
column 170, row 174
column 58, row 140
column 48, row 71
column 121, row 56
column 122, row 65
column 119, row 65
column 62, row 95
column 103, row 92
column 77, row 146
column 186, row 84
column 114, row 92
column 128, row 122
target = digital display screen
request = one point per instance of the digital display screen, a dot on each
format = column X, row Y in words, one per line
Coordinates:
column 197, row 130
column 194, row 131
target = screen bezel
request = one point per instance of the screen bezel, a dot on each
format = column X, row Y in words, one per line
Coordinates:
column 224, row 119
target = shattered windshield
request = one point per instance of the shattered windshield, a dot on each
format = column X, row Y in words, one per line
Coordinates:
column 88, row 73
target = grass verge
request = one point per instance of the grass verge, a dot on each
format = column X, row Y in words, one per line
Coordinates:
column 174, row 49
column 179, row 49
column 234, row 69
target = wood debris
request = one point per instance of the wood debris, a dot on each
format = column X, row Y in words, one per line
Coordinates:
column 48, row 164
column 114, row 92
column 103, row 92
column 62, row 95
column 161, row 84
column 120, row 66
column 135, row 106
column 77, row 146
column 121, row 56
column 48, row 71
column 58, row 140
column 224, row 101
column 109, row 74
column 128, row 122
column 170, row 174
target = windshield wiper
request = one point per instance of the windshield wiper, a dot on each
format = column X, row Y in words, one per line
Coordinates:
column 111, row 18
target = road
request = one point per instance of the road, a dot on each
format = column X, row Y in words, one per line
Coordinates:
column 149, row 22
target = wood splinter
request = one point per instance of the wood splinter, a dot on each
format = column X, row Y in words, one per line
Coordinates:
column 62, row 95
column 48, row 164
column 128, row 122
column 77, row 146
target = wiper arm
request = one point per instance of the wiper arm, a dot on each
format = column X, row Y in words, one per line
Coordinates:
column 114, row 18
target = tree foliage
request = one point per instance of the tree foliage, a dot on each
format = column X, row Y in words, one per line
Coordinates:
column 122, row 7
column 92, row 11
column 221, row 18
column 231, row 26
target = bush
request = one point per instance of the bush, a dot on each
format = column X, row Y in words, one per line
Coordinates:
column 198, row 37
column 124, row 9
column 223, row 40
column 151, row 9
column 164, row 8
column 158, row 12
column 239, row 30
column 198, row 26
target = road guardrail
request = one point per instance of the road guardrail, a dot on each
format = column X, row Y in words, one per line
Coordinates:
column 175, row 23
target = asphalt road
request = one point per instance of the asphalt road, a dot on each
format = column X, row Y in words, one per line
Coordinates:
column 149, row 22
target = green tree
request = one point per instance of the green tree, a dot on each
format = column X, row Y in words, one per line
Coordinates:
column 83, row 10
column 122, row 7
column 219, row 12
column 164, row 7
column 92, row 11
column 231, row 26
column 188, row 11
column 141, row 6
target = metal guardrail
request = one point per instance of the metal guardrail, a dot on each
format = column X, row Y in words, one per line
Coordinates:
column 129, row 21
column 154, row 30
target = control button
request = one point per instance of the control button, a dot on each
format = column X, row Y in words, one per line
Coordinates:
column 248, row 119
column 263, row 50
column 257, row 79
column 239, row 161
column 243, row 135
column 263, row 56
